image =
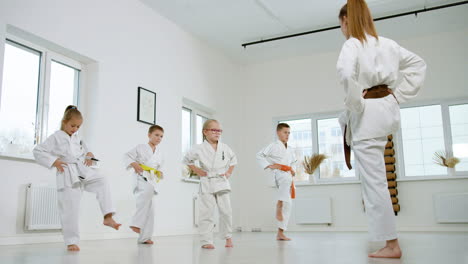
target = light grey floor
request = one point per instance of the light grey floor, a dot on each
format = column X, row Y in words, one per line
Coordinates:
column 258, row 248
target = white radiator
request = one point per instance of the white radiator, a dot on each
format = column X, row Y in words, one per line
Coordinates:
column 451, row 207
column 313, row 211
column 41, row 208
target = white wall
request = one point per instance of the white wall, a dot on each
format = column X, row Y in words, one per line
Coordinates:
column 309, row 84
column 132, row 46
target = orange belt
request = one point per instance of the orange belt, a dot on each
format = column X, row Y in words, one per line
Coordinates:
column 293, row 188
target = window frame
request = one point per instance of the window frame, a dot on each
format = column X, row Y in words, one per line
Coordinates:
column 43, row 87
column 195, row 110
column 315, row 145
column 447, row 136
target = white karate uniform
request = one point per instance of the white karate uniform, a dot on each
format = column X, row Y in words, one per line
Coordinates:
column 370, row 121
column 214, row 189
column 142, row 189
column 277, row 153
column 75, row 178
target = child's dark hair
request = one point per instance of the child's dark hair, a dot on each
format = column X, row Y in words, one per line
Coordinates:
column 281, row 126
column 70, row 112
column 154, row 128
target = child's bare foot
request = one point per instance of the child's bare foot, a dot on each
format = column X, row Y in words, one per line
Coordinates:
column 135, row 229
column 73, row 248
column 110, row 222
column 386, row 252
column 149, row 242
column 282, row 237
column 208, row 246
column 229, row 243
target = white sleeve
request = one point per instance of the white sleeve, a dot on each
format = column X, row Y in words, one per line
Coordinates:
column 130, row 157
column 43, row 152
column 413, row 69
column 262, row 156
column 347, row 72
column 191, row 156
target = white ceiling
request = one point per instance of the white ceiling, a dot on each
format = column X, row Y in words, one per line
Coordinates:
column 226, row 24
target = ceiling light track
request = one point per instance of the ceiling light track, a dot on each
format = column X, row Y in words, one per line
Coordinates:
column 415, row 12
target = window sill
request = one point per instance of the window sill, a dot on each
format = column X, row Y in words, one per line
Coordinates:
column 18, row 157
column 300, row 184
column 436, row 178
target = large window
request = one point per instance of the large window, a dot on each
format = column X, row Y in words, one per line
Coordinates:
column 319, row 134
column 428, row 129
column 330, row 142
column 459, row 127
column 425, row 130
column 193, row 118
column 37, row 86
column 422, row 135
column 301, row 140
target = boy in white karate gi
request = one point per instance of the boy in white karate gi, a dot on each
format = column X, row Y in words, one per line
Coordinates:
column 377, row 74
column 278, row 158
column 142, row 159
column 217, row 162
column 66, row 151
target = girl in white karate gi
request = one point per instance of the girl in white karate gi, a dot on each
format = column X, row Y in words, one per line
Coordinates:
column 150, row 156
column 217, row 162
column 66, row 151
column 369, row 67
column 273, row 158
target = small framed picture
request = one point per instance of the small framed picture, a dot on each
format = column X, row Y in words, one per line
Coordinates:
column 146, row 111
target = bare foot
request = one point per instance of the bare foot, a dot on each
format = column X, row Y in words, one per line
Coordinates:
column 386, row 252
column 208, row 246
column 149, row 242
column 135, row 229
column 282, row 237
column 110, row 222
column 73, row 248
column 229, row 243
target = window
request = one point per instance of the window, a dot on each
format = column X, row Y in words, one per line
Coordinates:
column 186, row 129
column 331, row 144
column 459, row 128
column 193, row 118
column 200, row 121
column 422, row 135
column 37, row 86
column 301, row 140
column 429, row 129
column 424, row 130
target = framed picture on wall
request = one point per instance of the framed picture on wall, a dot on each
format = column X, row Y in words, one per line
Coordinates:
column 146, row 112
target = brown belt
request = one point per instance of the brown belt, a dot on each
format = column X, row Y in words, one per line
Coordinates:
column 378, row 91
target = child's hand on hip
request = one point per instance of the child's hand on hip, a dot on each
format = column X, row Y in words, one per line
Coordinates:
column 138, row 169
column 274, row 166
column 59, row 165
column 200, row 172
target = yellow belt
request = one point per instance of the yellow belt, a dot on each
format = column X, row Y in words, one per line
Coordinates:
column 152, row 171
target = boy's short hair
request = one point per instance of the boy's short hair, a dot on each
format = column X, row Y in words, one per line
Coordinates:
column 281, row 126
column 154, row 128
